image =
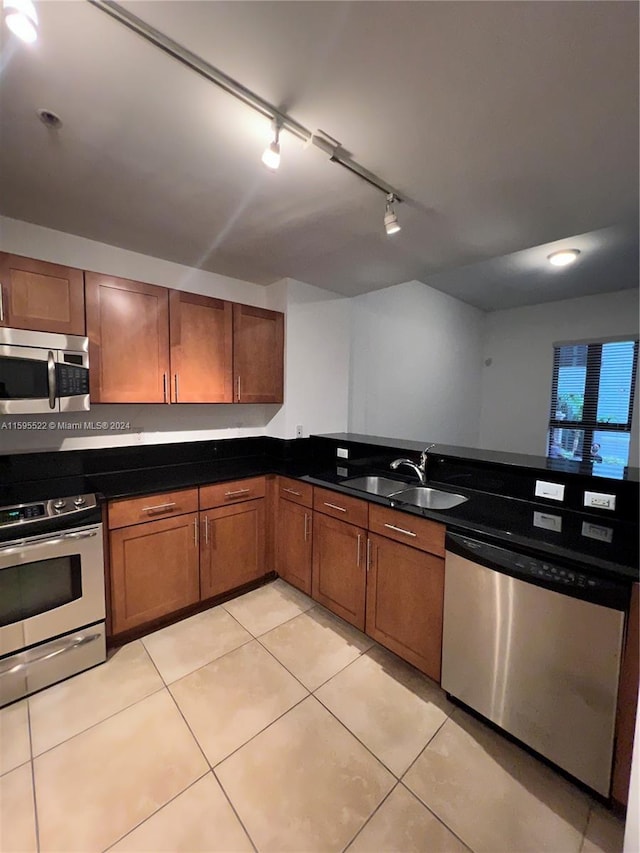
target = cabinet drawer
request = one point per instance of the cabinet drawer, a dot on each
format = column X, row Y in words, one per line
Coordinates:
column 408, row 529
column 294, row 490
column 223, row 494
column 128, row 511
column 341, row 506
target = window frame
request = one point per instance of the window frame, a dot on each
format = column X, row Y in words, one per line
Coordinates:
column 589, row 425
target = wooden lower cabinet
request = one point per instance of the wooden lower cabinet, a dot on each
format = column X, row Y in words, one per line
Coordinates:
column 294, row 542
column 405, row 594
column 232, row 546
column 339, row 572
column 154, row 570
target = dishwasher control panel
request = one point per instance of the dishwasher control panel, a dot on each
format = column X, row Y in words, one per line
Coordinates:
column 556, row 576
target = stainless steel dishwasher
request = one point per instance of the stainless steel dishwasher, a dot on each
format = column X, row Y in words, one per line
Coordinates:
column 534, row 645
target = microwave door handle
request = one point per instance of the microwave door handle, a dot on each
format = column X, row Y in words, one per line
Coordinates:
column 51, row 372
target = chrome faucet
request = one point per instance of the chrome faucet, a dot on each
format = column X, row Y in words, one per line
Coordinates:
column 420, row 469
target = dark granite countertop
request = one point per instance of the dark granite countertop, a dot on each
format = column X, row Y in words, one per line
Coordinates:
column 515, row 523
column 587, row 468
column 606, row 545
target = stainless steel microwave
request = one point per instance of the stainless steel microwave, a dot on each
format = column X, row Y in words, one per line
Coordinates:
column 43, row 372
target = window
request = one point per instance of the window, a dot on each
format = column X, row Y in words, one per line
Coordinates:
column 592, row 401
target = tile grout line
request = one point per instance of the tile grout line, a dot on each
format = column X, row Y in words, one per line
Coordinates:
column 437, row 817
column 234, row 810
column 97, row 723
column 144, row 820
column 33, row 778
column 375, row 811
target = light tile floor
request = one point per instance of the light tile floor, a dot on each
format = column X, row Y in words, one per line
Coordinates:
column 268, row 724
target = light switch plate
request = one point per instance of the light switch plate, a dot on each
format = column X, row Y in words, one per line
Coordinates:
column 547, row 521
column 342, row 453
column 598, row 500
column 553, row 491
column 597, row 531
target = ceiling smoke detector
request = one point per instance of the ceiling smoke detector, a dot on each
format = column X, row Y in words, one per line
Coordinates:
column 49, row 119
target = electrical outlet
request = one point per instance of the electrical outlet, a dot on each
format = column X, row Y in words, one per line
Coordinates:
column 299, row 431
column 342, row 452
column 597, row 500
column 553, row 491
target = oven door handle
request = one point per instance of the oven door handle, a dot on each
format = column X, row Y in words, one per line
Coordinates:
column 14, row 547
column 51, row 374
column 67, row 647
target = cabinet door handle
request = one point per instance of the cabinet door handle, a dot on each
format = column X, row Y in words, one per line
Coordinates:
column 400, row 530
column 175, row 385
column 206, row 530
column 158, row 507
column 238, row 384
column 292, row 492
column 335, row 506
column 358, row 546
column 164, row 386
column 368, row 554
column 195, row 531
column 306, row 532
column 236, row 493
column 1, row 305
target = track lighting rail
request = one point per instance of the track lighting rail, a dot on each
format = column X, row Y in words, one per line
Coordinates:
column 233, row 87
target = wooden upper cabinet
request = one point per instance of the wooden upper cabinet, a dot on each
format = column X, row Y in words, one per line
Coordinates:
column 258, row 355
column 128, row 330
column 41, row 296
column 201, row 330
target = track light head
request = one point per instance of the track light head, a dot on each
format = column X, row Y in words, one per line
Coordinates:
column 21, row 18
column 271, row 154
column 391, row 224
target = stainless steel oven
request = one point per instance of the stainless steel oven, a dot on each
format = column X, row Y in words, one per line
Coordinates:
column 41, row 372
column 52, row 600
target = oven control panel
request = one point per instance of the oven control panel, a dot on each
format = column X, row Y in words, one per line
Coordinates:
column 42, row 510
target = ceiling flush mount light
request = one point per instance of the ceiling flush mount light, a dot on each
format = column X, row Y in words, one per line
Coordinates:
column 21, row 18
column 564, row 257
column 391, row 224
column 271, row 154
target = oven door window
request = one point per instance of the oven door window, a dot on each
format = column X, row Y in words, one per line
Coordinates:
column 23, row 379
column 29, row 589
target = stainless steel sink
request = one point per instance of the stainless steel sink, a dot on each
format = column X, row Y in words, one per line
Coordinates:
column 428, row 498
column 375, row 485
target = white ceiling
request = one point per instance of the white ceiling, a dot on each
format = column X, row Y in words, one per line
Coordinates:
column 505, row 126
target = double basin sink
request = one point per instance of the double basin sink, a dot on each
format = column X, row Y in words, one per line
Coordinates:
column 422, row 496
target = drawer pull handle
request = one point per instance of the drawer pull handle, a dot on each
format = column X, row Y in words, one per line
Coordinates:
column 400, row 530
column 292, row 492
column 237, row 492
column 158, row 507
column 335, row 506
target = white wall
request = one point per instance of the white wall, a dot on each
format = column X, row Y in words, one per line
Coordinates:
column 316, row 345
column 516, row 386
column 317, row 355
column 416, row 363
